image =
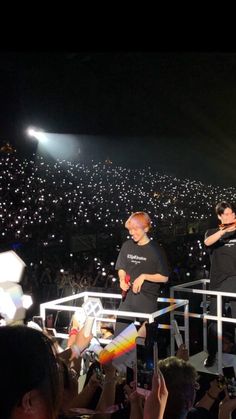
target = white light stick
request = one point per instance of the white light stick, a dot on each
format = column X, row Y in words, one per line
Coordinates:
column 177, row 334
column 93, row 308
column 88, row 326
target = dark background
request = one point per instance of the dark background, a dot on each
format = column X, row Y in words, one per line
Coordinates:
column 174, row 110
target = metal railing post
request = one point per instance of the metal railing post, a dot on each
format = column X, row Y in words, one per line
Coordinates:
column 219, row 331
column 172, row 337
column 204, row 319
column 186, row 326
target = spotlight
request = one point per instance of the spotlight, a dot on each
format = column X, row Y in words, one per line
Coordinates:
column 31, row 132
column 36, row 133
column 41, row 136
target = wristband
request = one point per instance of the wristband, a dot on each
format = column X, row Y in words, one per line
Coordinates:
column 73, row 332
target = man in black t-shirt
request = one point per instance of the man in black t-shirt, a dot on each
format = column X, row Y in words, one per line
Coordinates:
column 141, row 266
column 222, row 248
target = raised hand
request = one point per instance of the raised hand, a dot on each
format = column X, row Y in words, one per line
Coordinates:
column 155, row 403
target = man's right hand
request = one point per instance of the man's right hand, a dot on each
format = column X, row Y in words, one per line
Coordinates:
column 124, row 286
column 228, row 229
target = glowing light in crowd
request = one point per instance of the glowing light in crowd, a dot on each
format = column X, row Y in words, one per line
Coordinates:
column 36, row 195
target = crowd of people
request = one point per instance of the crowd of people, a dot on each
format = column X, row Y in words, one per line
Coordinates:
column 39, row 381
column 66, row 220
column 45, row 200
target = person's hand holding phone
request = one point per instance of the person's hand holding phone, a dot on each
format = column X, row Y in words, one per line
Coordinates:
column 155, row 403
column 230, row 379
column 81, row 342
column 182, row 352
column 136, row 401
column 226, row 406
column 145, row 366
column 96, row 379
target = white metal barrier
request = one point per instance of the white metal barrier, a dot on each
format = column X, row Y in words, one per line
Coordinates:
column 204, row 316
column 174, row 304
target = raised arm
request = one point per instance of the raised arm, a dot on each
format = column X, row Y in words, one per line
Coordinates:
column 213, row 238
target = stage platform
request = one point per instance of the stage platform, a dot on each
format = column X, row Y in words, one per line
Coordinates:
column 176, row 308
column 198, row 359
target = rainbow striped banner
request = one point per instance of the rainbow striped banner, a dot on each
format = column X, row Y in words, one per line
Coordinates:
column 120, row 347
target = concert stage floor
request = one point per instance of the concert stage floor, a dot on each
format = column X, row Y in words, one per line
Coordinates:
column 198, row 359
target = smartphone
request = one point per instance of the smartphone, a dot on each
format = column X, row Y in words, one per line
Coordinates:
column 39, row 321
column 177, row 334
column 146, row 364
column 129, row 375
column 51, row 331
column 229, row 374
column 151, row 333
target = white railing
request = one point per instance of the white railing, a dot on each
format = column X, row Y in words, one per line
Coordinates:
column 174, row 304
column 204, row 316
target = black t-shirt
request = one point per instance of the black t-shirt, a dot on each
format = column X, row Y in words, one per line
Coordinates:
column 223, row 257
column 147, row 259
column 199, row 413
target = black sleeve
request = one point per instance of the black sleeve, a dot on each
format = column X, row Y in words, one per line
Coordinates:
column 199, row 413
column 122, row 258
column 163, row 267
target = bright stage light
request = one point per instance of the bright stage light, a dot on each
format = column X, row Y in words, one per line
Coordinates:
column 59, row 146
column 31, row 132
column 41, row 136
column 38, row 134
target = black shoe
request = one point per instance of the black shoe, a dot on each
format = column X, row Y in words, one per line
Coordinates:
column 210, row 360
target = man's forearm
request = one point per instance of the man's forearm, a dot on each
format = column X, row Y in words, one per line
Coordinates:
column 155, row 277
column 214, row 238
column 121, row 274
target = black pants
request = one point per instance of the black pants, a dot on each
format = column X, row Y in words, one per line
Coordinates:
column 139, row 303
column 229, row 285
